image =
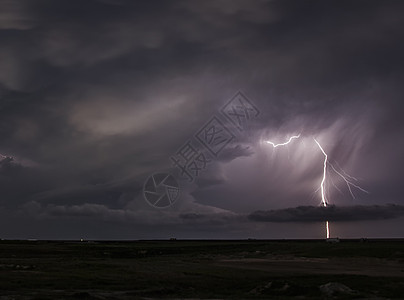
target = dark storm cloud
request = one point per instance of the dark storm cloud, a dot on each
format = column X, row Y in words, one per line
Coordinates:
column 97, row 95
column 228, row 154
column 330, row 213
column 210, row 218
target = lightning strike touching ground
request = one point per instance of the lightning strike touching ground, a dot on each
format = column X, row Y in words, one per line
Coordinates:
column 345, row 177
column 322, row 186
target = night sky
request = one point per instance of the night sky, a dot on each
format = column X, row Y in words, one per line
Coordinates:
column 96, row 96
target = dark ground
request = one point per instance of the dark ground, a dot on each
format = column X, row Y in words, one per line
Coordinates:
column 251, row 269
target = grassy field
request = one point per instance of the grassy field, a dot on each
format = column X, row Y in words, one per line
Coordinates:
column 201, row 270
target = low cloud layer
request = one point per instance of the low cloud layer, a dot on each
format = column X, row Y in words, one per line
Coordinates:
column 330, row 213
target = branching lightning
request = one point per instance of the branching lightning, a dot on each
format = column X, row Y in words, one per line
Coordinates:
column 348, row 179
column 349, row 183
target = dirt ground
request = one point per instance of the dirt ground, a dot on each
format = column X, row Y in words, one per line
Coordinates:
column 202, row 270
column 279, row 265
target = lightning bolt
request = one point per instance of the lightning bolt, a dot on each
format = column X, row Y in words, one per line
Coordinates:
column 284, row 144
column 322, row 184
column 348, row 179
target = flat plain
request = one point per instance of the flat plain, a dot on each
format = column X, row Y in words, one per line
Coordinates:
column 202, row 269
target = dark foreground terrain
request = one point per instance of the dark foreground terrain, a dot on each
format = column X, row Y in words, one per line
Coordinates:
column 202, row 270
